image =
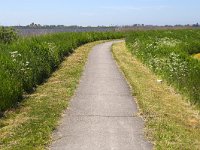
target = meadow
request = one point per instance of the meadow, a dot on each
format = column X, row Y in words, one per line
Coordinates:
column 171, row 55
column 27, row 62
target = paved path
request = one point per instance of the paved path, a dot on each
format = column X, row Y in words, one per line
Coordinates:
column 101, row 115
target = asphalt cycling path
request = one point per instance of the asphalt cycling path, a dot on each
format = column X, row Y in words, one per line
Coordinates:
column 102, row 113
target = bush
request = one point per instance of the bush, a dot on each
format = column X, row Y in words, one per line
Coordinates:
column 7, row 35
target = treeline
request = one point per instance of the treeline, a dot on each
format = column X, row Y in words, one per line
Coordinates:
column 37, row 29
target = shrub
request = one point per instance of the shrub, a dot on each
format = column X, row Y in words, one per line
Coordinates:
column 7, row 35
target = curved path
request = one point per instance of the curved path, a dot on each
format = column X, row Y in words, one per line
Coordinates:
column 102, row 114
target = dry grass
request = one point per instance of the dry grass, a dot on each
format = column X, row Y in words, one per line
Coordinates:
column 31, row 124
column 197, row 56
column 171, row 122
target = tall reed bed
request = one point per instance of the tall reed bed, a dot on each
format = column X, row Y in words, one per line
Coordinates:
column 27, row 62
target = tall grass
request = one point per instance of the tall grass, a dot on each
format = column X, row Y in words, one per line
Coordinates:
column 27, row 62
column 168, row 53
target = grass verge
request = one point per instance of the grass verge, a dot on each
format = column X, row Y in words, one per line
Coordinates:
column 171, row 122
column 30, row 125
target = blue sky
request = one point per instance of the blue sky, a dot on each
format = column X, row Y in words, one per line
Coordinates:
column 103, row 12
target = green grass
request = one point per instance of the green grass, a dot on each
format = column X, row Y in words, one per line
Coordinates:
column 30, row 125
column 169, row 54
column 170, row 121
column 27, row 62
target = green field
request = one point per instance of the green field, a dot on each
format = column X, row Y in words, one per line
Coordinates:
column 169, row 54
column 39, row 74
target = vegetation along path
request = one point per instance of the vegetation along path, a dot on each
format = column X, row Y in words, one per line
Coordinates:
column 102, row 114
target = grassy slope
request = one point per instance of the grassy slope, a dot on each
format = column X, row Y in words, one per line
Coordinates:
column 27, row 62
column 30, row 125
column 171, row 123
column 168, row 54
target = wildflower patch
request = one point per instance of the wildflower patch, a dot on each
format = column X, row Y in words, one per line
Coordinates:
column 168, row 54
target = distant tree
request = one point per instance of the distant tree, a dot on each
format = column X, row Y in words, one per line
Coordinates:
column 60, row 26
column 195, row 25
column 32, row 24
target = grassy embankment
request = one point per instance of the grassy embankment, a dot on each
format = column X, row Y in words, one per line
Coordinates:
column 171, row 122
column 169, row 53
column 30, row 125
column 27, row 62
